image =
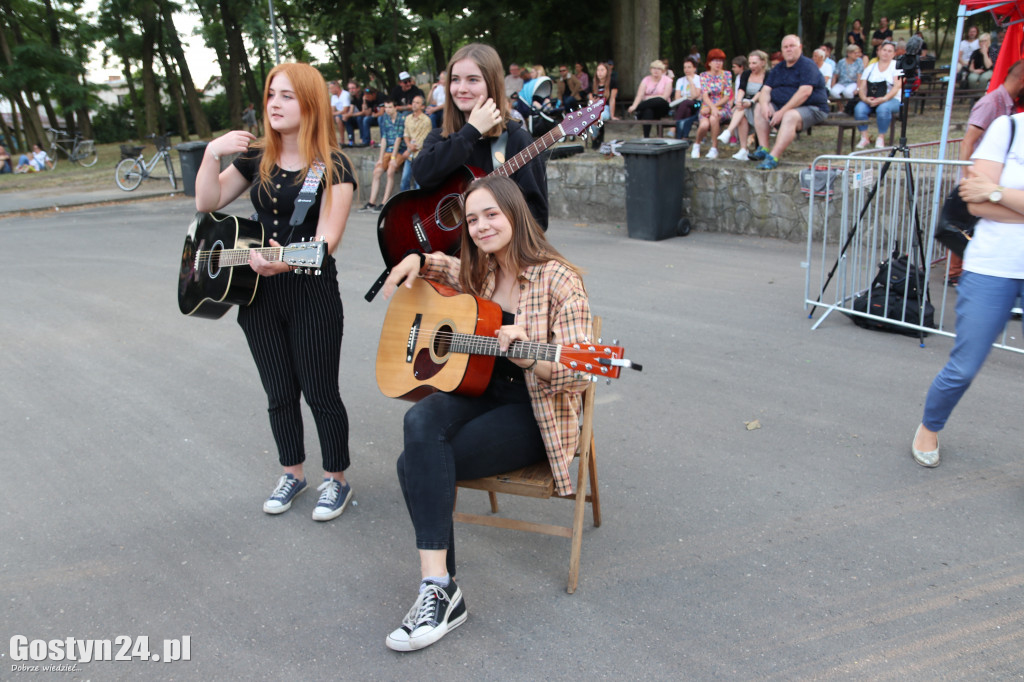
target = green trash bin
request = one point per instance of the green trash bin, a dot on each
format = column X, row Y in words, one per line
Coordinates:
column 191, row 155
column 654, row 188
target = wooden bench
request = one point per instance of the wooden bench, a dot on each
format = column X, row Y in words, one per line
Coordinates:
column 536, row 481
column 842, row 122
column 661, row 124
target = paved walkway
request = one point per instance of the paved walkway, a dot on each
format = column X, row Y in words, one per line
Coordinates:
column 136, row 456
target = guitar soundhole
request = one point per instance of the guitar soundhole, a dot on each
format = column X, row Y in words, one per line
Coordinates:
column 449, row 214
column 213, row 265
column 442, row 343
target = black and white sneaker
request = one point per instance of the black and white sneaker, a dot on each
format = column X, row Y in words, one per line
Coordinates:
column 367, row 208
column 437, row 611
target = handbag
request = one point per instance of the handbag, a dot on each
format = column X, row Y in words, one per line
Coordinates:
column 955, row 225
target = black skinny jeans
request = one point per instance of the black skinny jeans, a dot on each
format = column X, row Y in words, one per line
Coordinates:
column 651, row 110
column 452, row 437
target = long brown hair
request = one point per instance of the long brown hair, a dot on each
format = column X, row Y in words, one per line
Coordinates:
column 487, row 60
column 317, row 140
column 529, row 245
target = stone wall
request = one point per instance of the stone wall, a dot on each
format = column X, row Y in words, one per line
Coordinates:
column 718, row 196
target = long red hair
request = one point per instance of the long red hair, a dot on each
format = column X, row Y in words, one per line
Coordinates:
column 317, row 139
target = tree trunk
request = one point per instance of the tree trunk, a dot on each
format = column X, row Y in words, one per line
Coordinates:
column 174, row 90
column 623, row 44
column 844, row 14
column 437, row 50
column 195, row 108
column 236, row 55
column 150, row 94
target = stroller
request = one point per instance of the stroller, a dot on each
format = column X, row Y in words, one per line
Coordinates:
column 534, row 104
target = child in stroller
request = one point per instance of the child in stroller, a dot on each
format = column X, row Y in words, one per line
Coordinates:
column 534, row 104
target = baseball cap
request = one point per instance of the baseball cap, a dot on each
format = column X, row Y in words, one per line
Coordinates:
column 404, row 76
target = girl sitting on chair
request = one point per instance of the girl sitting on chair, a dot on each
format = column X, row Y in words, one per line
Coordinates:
column 530, row 409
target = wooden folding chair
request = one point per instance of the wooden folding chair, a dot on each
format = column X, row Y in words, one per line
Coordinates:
column 536, row 481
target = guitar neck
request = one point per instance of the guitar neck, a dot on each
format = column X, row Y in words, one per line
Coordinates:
column 525, row 156
column 485, row 345
column 233, row 257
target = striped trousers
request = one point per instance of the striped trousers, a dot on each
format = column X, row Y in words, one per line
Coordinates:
column 294, row 328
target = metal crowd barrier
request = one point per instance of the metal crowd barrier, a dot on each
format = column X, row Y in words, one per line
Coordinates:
column 865, row 209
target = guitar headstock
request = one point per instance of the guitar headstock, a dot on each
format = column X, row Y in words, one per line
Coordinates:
column 305, row 254
column 577, row 122
column 598, row 359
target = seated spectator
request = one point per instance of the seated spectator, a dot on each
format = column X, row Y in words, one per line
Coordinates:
column 687, row 99
column 979, row 70
column 716, row 102
column 739, row 66
column 403, row 93
column 513, row 82
column 603, row 86
column 856, row 35
column 845, row 80
column 652, row 96
column 417, row 127
column 819, row 60
column 827, row 47
column 5, row 161
column 774, row 60
column 569, row 88
column 370, row 114
column 967, row 47
column 37, row 161
column 435, row 108
column 793, row 99
column 392, row 148
column 537, row 71
column 583, row 76
column 751, row 82
column 350, row 116
column 880, row 92
column 694, row 54
column 340, row 102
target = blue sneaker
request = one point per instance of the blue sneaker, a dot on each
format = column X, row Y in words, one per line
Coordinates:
column 280, row 501
column 769, row 163
column 759, row 154
column 333, row 498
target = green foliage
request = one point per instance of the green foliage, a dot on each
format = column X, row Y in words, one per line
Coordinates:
column 113, row 123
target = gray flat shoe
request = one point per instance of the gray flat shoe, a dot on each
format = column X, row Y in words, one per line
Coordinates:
column 926, row 459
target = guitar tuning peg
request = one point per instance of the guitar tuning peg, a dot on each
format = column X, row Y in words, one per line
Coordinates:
column 318, row 273
column 615, row 342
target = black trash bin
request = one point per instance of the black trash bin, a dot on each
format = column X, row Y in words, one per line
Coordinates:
column 654, row 188
column 191, row 155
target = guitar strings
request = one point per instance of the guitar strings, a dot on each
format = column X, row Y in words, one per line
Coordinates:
column 475, row 344
column 223, row 256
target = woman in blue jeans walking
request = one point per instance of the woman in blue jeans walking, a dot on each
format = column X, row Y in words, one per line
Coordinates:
column 992, row 279
column 880, row 89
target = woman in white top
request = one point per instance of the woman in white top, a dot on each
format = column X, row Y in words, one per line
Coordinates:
column 880, row 91
column 751, row 82
column 967, row 47
column 687, row 99
column 993, row 277
column 435, row 109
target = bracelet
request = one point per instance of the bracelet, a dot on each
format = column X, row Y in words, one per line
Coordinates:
column 411, row 252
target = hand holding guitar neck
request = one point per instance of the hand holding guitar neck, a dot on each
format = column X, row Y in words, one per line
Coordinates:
column 264, row 267
column 485, row 115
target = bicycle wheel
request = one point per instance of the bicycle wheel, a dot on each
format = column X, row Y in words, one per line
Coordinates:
column 128, row 174
column 87, row 156
column 170, row 171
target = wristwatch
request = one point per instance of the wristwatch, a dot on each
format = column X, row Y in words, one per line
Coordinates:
column 996, row 196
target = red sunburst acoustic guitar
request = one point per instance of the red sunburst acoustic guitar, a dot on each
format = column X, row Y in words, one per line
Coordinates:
column 436, row 339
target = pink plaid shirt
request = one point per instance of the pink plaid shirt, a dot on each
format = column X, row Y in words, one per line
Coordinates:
column 553, row 308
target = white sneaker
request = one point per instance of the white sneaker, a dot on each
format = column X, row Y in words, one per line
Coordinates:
column 742, row 155
column 864, row 142
column 725, row 137
column 712, row 153
column 695, row 152
column 880, row 142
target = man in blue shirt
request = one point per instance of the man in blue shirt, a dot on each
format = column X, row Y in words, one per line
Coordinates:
column 793, row 98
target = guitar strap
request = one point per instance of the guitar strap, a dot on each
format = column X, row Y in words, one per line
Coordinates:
column 307, row 195
column 498, row 150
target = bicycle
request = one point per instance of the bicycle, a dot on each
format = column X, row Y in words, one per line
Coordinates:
column 133, row 170
column 82, row 151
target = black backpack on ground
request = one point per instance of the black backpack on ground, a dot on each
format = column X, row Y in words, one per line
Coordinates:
column 896, row 287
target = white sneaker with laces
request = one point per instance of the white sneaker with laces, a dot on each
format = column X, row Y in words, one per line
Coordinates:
column 695, row 152
column 864, row 142
column 712, row 153
column 436, row 612
column 880, row 142
column 742, row 155
column 725, row 137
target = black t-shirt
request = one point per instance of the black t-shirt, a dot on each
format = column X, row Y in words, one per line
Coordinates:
column 274, row 208
column 978, row 61
column 858, row 39
column 403, row 98
column 883, row 35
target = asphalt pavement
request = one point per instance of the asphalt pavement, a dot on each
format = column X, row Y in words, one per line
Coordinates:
column 763, row 518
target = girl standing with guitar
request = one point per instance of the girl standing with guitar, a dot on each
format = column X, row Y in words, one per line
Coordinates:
column 477, row 129
column 530, row 409
column 301, row 186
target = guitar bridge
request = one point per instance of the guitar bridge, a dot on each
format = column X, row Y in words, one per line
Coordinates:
column 414, row 332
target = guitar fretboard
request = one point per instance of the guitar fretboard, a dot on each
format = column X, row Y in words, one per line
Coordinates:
column 540, row 144
column 228, row 258
column 483, row 345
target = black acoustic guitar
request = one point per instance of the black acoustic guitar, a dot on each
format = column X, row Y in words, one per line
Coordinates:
column 210, row 282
